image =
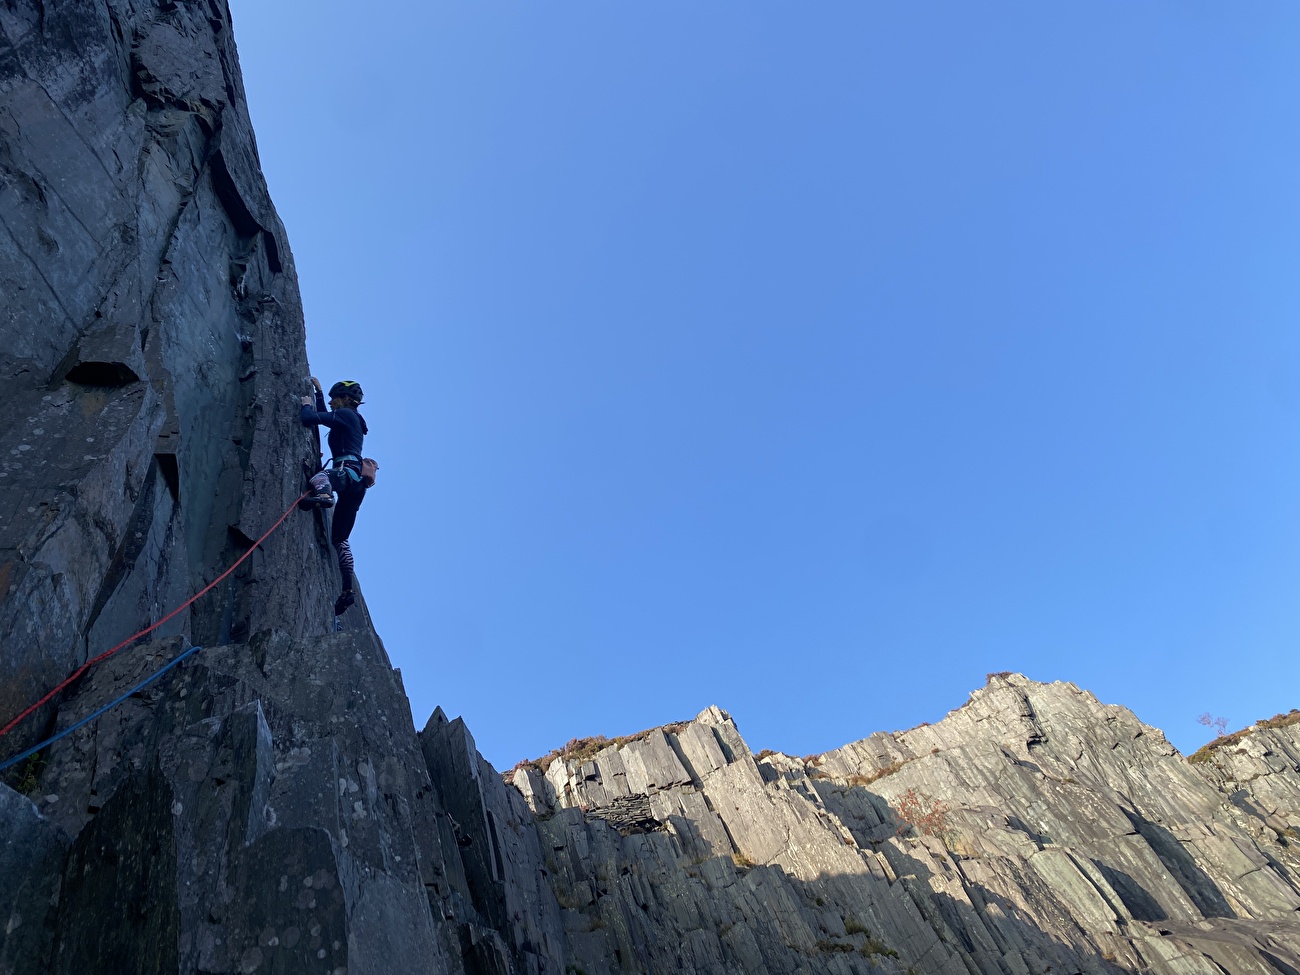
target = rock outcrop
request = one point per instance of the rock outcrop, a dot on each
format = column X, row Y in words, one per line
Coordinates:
column 267, row 804
column 153, row 344
column 1033, row 829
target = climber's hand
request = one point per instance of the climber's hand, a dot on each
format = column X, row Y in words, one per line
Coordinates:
column 308, row 401
column 315, row 382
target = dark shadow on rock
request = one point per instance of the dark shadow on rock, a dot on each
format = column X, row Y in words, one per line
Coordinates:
column 118, row 910
column 1278, row 963
column 1136, row 899
column 1194, row 881
column 984, row 937
column 1017, row 824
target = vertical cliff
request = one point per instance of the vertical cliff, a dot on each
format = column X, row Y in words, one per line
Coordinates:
column 267, row 804
column 153, row 344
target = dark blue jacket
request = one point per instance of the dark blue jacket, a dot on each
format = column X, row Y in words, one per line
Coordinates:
column 347, row 427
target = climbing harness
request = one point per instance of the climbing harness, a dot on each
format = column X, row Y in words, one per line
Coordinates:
column 9, row 763
column 342, row 468
column 350, row 467
column 149, row 629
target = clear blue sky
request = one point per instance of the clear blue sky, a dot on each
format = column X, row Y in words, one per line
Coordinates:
column 809, row 359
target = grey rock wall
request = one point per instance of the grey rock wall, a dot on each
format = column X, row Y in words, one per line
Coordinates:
column 1257, row 771
column 265, row 806
column 504, row 901
column 153, row 343
column 1032, row 830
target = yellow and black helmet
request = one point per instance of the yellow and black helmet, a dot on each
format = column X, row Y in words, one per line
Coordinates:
column 346, row 388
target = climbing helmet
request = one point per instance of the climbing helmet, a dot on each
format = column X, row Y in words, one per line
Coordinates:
column 347, row 388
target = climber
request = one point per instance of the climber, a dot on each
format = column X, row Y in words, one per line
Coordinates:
column 347, row 473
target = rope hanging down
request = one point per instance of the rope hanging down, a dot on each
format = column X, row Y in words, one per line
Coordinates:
column 107, row 707
column 148, row 629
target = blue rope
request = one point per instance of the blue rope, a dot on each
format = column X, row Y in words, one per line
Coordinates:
column 107, row 707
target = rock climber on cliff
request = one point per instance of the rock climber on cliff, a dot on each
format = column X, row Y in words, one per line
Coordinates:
column 348, row 474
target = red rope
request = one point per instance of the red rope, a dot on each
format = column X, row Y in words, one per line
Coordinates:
column 131, row 639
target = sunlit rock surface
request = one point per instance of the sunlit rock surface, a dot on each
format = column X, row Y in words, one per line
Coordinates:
column 1032, row 830
column 268, row 805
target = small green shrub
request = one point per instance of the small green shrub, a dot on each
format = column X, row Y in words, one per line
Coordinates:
column 31, row 775
column 833, row 946
column 875, row 946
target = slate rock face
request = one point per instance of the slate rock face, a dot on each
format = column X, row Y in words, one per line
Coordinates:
column 1257, row 770
column 265, row 806
column 268, row 806
column 1032, row 830
column 153, row 344
column 32, row 852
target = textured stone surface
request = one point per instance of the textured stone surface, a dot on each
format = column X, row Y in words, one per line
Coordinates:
column 1061, row 835
column 1258, row 772
column 265, row 806
column 505, row 902
column 153, row 343
column 32, row 851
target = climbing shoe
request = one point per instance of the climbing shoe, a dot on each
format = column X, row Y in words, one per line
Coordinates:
column 341, row 604
column 319, row 499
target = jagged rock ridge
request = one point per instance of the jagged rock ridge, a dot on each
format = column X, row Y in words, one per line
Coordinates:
column 1068, row 837
column 268, row 806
